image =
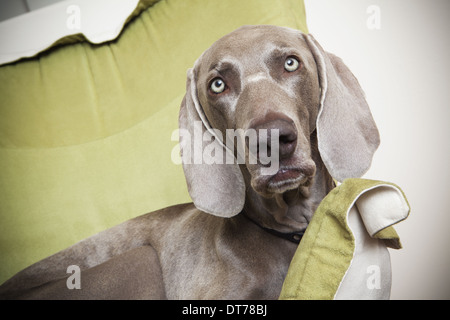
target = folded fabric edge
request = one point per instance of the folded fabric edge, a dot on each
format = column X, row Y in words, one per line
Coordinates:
column 381, row 207
column 350, row 191
column 390, row 238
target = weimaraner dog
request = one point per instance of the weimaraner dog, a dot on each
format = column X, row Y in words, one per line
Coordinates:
column 237, row 238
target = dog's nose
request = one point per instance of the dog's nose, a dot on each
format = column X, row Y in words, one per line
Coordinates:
column 287, row 137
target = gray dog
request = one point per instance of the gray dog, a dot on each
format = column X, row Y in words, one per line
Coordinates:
column 237, row 239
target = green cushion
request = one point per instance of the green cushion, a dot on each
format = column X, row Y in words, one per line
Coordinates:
column 85, row 130
column 327, row 249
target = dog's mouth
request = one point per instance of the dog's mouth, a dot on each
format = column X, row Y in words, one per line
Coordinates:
column 286, row 179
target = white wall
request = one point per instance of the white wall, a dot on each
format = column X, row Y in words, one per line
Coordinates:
column 404, row 69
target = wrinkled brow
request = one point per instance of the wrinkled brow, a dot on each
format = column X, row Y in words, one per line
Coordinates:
column 224, row 65
column 283, row 50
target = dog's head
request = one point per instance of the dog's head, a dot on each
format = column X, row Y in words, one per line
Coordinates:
column 254, row 99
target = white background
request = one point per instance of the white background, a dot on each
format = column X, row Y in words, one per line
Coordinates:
column 403, row 68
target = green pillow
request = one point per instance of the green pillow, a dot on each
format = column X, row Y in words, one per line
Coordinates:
column 343, row 253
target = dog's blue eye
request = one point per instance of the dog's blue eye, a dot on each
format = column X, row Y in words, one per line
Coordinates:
column 217, row 86
column 291, row 64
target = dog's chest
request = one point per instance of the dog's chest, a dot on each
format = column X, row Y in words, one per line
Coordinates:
column 215, row 272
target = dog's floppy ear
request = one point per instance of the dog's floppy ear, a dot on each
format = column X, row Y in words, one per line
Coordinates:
column 347, row 134
column 215, row 187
